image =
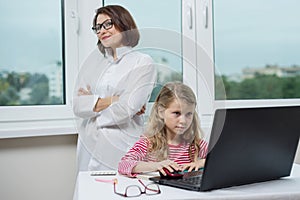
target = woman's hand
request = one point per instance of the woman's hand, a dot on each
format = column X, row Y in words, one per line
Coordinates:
column 194, row 165
column 86, row 91
column 103, row 103
column 142, row 111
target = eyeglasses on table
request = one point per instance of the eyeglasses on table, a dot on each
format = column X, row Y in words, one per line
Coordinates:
column 134, row 190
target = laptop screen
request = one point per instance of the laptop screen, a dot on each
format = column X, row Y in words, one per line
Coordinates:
column 249, row 145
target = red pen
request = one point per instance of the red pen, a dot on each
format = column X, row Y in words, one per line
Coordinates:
column 107, row 181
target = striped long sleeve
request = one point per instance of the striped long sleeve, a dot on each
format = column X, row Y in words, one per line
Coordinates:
column 139, row 152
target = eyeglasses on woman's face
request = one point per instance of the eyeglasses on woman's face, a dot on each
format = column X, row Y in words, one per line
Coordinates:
column 135, row 190
column 107, row 24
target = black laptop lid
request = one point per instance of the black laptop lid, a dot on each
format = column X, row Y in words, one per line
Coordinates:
column 249, row 145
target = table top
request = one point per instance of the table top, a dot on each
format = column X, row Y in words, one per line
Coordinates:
column 285, row 188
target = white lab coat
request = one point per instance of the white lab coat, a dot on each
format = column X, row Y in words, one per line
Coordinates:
column 104, row 137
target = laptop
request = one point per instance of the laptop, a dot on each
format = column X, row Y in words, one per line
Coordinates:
column 247, row 145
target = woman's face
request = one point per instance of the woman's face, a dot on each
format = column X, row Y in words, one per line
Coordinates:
column 109, row 38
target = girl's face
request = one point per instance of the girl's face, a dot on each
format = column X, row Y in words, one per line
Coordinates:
column 178, row 118
column 109, row 38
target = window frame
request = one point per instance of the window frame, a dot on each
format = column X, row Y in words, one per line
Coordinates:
column 28, row 121
column 198, row 72
column 205, row 64
column 24, row 121
column 188, row 38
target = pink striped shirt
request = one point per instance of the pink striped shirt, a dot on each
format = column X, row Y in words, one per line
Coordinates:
column 139, row 152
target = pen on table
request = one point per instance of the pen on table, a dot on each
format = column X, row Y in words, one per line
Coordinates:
column 106, row 181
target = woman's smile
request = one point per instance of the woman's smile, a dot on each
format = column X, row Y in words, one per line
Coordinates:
column 105, row 37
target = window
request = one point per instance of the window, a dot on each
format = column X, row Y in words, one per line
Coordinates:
column 233, row 54
column 256, row 55
column 32, row 63
column 248, row 53
column 34, row 66
column 160, row 26
column 157, row 30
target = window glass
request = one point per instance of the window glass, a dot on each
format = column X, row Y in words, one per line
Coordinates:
column 159, row 23
column 31, row 53
column 256, row 49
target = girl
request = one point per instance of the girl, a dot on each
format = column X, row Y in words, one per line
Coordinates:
column 172, row 139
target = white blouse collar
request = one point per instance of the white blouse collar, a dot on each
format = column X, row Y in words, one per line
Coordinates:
column 121, row 51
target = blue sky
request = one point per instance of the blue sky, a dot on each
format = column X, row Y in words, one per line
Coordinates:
column 159, row 23
column 255, row 33
column 247, row 33
column 29, row 46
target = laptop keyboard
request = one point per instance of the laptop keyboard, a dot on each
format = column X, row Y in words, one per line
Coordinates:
column 190, row 180
column 194, row 180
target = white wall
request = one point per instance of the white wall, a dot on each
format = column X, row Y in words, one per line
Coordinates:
column 38, row 168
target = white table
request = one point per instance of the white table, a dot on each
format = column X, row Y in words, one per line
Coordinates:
column 286, row 188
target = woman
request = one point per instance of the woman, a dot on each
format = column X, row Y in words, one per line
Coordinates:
column 113, row 86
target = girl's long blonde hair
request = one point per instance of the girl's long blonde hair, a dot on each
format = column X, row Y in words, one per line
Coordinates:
column 156, row 131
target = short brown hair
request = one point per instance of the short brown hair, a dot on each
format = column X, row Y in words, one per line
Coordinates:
column 123, row 22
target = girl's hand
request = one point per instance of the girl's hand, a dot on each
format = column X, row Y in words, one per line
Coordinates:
column 194, row 165
column 168, row 164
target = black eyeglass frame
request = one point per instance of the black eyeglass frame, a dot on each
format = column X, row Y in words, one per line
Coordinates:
column 141, row 192
column 107, row 24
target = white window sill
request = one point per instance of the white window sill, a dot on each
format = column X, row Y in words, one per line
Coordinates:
column 37, row 128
